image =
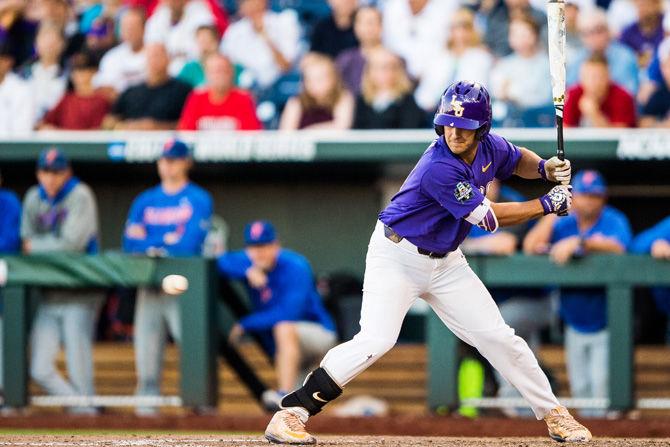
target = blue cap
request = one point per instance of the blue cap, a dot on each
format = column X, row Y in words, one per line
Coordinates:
column 52, row 159
column 174, row 148
column 589, row 182
column 259, row 232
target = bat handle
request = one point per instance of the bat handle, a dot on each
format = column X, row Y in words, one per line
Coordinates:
column 560, row 151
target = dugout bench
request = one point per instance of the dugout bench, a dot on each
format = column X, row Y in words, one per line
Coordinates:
column 617, row 274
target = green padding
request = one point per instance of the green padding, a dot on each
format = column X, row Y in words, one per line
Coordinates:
column 77, row 270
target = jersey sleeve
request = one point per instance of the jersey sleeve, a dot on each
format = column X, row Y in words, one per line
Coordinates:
column 233, row 265
column 506, row 157
column 290, row 300
column 451, row 188
column 135, row 217
column 10, row 222
column 619, row 229
column 643, row 241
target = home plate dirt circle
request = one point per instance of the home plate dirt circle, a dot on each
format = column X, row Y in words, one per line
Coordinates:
column 255, row 441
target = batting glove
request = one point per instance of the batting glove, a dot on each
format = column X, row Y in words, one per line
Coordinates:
column 558, row 200
column 555, row 170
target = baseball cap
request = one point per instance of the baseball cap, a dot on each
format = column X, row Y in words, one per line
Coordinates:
column 175, row 149
column 52, row 159
column 259, row 232
column 589, row 182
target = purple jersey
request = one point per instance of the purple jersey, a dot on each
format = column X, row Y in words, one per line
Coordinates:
column 431, row 206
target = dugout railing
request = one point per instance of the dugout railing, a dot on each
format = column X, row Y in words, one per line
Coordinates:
column 618, row 274
column 198, row 356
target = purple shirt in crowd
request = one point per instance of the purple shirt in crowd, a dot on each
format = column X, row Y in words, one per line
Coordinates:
column 350, row 63
column 442, row 190
column 633, row 37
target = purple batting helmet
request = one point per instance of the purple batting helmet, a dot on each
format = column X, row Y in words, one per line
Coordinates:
column 466, row 105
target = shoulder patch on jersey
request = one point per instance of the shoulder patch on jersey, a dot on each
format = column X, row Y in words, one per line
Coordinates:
column 463, row 191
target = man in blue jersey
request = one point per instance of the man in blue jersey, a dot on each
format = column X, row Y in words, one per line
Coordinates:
column 60, row 214
column 593, row 227
column 171, row 219
column 10, row 219
column 10, row 241
column 656, row 241
column 414, row 253
column 288, row 313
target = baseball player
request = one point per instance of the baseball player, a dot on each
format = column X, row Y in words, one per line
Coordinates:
column 288, row 313
column 413, row 253
column 60, row 214
column 171, row 219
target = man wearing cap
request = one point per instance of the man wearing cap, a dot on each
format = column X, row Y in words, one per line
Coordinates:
column 171, row 219
column 288, row 313
column 656, row 111
column 60, row 214
column 593, row 227
column 17, row 111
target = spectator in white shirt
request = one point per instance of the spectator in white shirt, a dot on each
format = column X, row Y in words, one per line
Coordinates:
column 174, row 23
column 45, row 75
column 124, row 65
column 522, row 79
column 416, row 29
column 463, row 57
column 266, row 44
column 16, row 100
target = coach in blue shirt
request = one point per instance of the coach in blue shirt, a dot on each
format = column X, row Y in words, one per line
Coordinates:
column 288, row 313
column 592, row 227
column 656, row 241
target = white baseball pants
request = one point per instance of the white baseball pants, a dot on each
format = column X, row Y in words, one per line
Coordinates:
column 395, row 276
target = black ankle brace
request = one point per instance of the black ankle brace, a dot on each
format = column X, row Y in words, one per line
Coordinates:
column 318, row 390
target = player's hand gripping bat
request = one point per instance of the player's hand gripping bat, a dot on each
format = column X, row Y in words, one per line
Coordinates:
column 556, row 34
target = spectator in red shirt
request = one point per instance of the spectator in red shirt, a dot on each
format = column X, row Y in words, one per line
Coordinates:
column 220, row 106
column 596, row 101
column 82, row 108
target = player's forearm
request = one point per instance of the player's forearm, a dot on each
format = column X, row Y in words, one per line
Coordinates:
column 527, row 165
column 603, row 245
column 514, row 213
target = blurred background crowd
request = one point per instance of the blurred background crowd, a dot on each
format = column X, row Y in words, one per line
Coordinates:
column 317, row 64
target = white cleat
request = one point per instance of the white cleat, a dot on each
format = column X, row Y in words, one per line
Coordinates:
column 564, row 428
column 286, row 427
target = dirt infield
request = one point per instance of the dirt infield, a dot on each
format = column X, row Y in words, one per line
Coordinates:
column 255, row 440
column 420, row 426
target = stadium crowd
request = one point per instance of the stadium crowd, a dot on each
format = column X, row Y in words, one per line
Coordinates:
column 340, row 64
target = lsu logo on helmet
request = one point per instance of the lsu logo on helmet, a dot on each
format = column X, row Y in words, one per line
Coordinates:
column 457, row 106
